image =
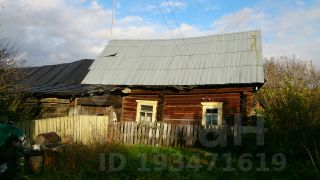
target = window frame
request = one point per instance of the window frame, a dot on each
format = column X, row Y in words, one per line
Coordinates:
column 154, row 105
column 211, row 105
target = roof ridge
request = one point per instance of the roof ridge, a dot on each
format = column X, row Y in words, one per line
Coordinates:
column 187, row 38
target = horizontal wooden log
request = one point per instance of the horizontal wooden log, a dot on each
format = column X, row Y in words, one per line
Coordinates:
column 194, row 91
column 197, row 96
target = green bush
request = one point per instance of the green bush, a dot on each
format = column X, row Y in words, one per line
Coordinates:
column 291, row 97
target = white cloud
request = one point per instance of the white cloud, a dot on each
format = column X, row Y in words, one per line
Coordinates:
column 242, row 20
column 165, row 7
column 291, row 32
column 53, row 31
column 173, row 4
column 56, row 31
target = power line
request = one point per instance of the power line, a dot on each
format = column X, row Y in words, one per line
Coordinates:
column 166, row 23
column 182, row 38
column 176, row 22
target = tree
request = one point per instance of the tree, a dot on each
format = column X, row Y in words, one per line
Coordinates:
column 8, row 70
column 11, row 92
column 291, row 96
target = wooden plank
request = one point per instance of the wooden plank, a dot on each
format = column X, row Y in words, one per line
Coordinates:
column 117, row 134
column 169, row 135
column 174, row 136
column 80, row 128
column 164, row 135
column 184, row 136
column 73, row 125
column 42, row 130
column 195, row 135
column 118, row 129
column 76, row 128
column 31, row 130
column 138, row 135
column 188, row 129
column 180, row 135
column 132, row 132
column 153, row 134
column 177, row 135
column 173, row 128
column 27, row 130
column 158, row 135
column 110, row 133
column 128, row 132
column 125, row 132
column 84, row 127
column 146, row 140
column 121, row 136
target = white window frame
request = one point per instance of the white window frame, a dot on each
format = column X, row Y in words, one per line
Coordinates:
column 211, row 105
column 154, row 105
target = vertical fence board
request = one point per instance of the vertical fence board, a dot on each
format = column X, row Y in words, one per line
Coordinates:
column 91, row 128
column 164, row 135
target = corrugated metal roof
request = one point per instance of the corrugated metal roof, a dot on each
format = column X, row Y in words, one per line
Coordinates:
column 67, row 73
column 66, row 89
column 60, row 79
column 218, row 59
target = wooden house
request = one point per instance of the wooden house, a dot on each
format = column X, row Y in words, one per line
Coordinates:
column 55, row 90
column 203, row 80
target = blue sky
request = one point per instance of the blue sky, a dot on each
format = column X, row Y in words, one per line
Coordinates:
column 56, row 31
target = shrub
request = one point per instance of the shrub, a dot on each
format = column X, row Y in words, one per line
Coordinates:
column 291, row 96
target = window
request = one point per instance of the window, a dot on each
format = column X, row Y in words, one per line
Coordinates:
column 211, row 113
column 146, row 111
column 212, row 116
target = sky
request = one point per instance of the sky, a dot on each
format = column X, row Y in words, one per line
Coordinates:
column 59, row 31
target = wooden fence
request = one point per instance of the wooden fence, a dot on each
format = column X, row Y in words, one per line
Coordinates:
column 98, row 128
column 159, row 134
column 181, row 135
column 70, row 128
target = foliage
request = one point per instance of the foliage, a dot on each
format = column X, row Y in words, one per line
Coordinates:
column 11, row 97
column 291, row 97
column 82, row 162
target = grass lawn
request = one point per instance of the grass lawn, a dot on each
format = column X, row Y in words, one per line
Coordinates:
column 98, row 161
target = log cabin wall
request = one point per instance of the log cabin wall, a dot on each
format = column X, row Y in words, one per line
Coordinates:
column 129, row 105
column 184, row 107
column 187, row 109
column 60, row 107
column 49, row 107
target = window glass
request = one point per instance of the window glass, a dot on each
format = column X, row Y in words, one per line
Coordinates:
column 146, row 108
column 212, row 119
column 149, row 117
column 142, row 116
column 212, row 111
column 212, row 116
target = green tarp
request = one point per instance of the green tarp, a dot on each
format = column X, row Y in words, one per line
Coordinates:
column 8, row 131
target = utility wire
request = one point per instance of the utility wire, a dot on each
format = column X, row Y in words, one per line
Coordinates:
column 177, row 24
column 182, row 38
column 166, row 23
